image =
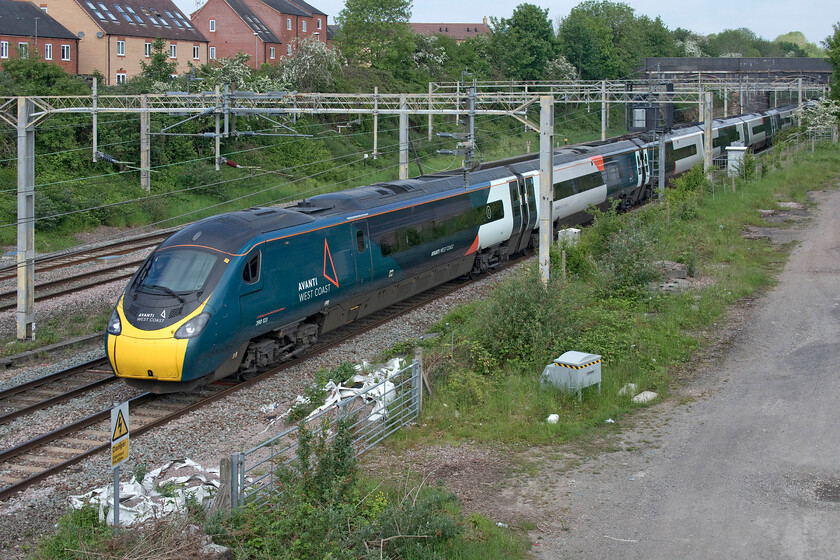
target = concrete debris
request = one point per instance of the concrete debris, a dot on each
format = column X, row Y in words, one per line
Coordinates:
column 644, row 397
column 359, row 386
column 158, row 494
column 628, row 389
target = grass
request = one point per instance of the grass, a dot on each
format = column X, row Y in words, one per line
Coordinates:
column 489, row 390
column 56, row 329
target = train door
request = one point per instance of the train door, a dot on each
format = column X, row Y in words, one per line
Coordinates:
column 516, row 204
column 362, row 255
column 253, row 304
column 529, row 210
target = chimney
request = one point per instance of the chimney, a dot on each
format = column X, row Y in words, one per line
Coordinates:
column 485, row 20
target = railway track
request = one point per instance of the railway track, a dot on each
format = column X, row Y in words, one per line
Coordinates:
column 52, row 389
column 70, row 283
column 56, row 261
column 73, row 283
column 47, row 454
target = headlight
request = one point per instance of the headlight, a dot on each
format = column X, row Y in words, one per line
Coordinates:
column 114, row 324
column 193, row 327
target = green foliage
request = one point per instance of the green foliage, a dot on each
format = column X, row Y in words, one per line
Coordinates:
column 467, row 387
column 159, row 68
column 524, row 44
column 797, row 38
column 326, row 515
column 520, row 322
column 832, row 49
column 627, row 267
column 34, row 76
column 606, row 40
column 76, row 531
column 375, row 32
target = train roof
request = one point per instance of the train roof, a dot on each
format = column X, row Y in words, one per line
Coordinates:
column 230, row 232
column 379, row 194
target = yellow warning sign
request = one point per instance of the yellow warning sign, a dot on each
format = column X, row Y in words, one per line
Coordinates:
column 121, row 429
column 119, row 452
column 119, row 434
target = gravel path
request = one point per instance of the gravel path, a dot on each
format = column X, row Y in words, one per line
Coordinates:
column 204, row 436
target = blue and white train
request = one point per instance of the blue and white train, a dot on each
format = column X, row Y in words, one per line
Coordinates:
column 236, row 292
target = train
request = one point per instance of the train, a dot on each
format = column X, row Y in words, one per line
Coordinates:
column 233, row 293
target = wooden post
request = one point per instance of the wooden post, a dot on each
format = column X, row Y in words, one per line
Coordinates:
column 222, row 500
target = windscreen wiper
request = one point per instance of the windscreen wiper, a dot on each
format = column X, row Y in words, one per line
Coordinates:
column 164, row 289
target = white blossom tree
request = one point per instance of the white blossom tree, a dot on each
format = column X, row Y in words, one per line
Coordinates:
column 312, row 67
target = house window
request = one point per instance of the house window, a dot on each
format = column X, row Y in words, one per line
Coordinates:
column 23, row 50
column 120, row 48
column 147, row 50
column 48, row 51
column 271, row 53
column 288, row 24
column 65, row 52
column 120, row 77
column 289, row 50
column 212, row 26
column 4, row 49
column 319, row 23
column 317, row 36
column 195, row 52
column 303, row 26
column 173, row 51
column 213, row 52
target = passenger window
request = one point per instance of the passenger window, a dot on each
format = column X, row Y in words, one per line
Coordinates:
column 360, row 241
column 251, row 272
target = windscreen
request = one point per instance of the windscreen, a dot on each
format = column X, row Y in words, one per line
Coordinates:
column 179, row 270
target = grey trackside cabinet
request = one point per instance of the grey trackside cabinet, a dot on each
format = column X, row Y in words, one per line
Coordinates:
column 573, row 371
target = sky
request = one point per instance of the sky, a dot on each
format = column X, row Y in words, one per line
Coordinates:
column 767, row 18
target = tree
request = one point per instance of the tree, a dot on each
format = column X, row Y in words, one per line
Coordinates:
column 375, row 32
column 33, row 76
column 832, row 50
column 606, row 40
column 524, row 43
column 312, row 67
column 159, row 69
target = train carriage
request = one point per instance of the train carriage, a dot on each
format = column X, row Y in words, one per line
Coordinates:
column 233, row 293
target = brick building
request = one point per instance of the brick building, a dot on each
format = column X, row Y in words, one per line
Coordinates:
column 457, row 31
column 26, row 29
column 264, row 29
column 116, row 37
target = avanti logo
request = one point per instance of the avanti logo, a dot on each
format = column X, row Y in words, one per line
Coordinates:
column 328, row 257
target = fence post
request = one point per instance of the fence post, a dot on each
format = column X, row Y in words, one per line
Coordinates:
column 416, row 388
column 235, row 489
column 222, row 500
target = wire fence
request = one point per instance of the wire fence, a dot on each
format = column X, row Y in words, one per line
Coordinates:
column 375, row 412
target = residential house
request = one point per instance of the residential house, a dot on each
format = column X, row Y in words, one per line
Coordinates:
column 457, row 31
column 116, row 37
column 26, row 29
column 265, row 29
